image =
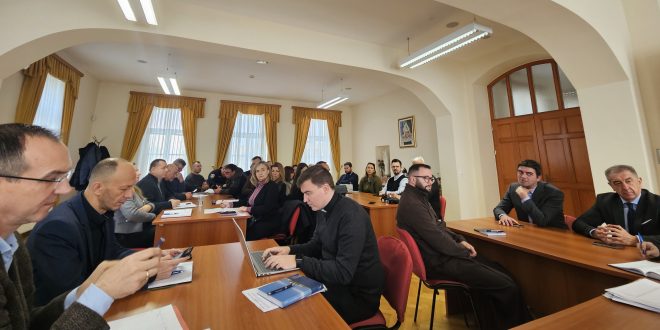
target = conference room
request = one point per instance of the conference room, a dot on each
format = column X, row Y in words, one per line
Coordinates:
column 553, row 81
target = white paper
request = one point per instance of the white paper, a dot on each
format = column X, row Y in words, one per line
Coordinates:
column 186, row 205
column 221, row 209
column 209, row 191
column 176, row 213
column 185, row 276
column 199, row 195
column 220, row 201
column 262, row 303
column 157, row 319
column 643, row 293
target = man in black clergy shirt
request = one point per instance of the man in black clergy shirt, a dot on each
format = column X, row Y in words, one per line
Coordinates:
column 342, row 254
column 448, row 256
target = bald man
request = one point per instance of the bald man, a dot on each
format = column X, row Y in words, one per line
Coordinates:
column 79, row 233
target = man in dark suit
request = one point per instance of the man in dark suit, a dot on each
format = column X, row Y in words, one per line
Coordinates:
column 535, row 201
column 349, row 177
column 151, row 188
column 78, row 234
column 170, row 187
column 627, row 211
column 35, row 170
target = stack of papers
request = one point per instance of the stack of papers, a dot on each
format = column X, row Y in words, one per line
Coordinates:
column 186, row 205
column 183, row 273
column 647, row 268
column 642, row 293
column 176, row 213
column 166, row 317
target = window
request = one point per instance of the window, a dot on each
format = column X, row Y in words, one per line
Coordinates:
column 51, row 105
column 163, row 138
column 247, row 140
column 317, row 147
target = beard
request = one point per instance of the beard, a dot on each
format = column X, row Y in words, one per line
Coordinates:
column 420, row 184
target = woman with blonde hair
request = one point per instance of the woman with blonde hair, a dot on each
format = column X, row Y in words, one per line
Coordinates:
column 263, row 204
column 277, row 176
column 370, row 182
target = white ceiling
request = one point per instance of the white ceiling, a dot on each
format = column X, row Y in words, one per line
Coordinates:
column 385, row 22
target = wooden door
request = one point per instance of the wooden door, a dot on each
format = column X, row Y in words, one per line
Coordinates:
column 515, row 140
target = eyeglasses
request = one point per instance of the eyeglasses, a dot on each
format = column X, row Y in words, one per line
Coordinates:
column 64, row 177
column 425, row 178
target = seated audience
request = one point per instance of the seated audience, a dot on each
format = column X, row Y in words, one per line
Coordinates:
column 133, row 228
column 77, row 235
column 434, row 195
column 196, row 182
column 295, row 193
column 370, row 182
column 27, row 153
column 448, row 256
column 342, row 254
column 254, row 161
column 535, row 201
column 276, row 176
column 150, row 186
column 216, row 178
column 628, row 211
column 288, row 178
column 349, row 177
column 397, row 183
column 166, row 186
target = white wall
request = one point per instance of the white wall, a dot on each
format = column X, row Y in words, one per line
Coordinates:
column 110, row 120
column 9, row 91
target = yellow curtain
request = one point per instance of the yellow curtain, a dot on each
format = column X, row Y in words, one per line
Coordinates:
column 140, row 106
column 33, row 85
column 302, row 117
column 229, row 111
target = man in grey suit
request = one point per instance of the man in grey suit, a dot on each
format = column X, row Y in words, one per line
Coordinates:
column 535, row 201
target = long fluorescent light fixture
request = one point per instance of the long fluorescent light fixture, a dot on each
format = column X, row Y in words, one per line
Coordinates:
column 446, row 45
column 147, row 8
column 166, row 89
column 333, row 102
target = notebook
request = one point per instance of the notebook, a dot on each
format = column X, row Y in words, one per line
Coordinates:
column 642, row 293
column 255, row 256
column 166, row 317
column 176, row 213
column 289, row 290
column 647, row 268
column 183, row 273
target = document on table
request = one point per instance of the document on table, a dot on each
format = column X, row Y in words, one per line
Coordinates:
column 183, row 273
column 166, row 317
column 223, row 210
column 643, row 293
column 186, row 205
column 176, row 213
column 220, row 201
column 262, row 303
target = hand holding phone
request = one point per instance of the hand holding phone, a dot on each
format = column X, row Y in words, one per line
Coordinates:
column 186, row 253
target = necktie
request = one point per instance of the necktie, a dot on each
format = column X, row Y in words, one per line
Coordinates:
column 529, row 217
column 630, row 218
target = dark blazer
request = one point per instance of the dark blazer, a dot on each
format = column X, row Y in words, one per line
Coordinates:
column 17, row 310
column 90, row 155
column 61, row 249
column 546, row 206
column 170, row 190
column 149, row 186
column 234, row 185
column 609, row 209
column 265, row 220
column 350, row 178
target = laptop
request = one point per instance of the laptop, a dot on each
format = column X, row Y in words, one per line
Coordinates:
column 255, row 257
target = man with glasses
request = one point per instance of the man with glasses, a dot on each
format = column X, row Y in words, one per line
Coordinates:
column 535, row 201
column 176, row 183
column 34, row 170
column 397, row 183
column 448, row 256
column 628, row 211
column 436, row 190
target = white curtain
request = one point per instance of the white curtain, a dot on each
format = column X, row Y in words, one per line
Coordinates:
column 163, row 138
column 51, row 105
column 247, row 140
column 317, row 147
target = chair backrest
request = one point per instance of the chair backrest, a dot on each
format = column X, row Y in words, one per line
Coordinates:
column 443, row 206
column 294, row 221
column 397, row 264
column 568, row 220
column 418, row 263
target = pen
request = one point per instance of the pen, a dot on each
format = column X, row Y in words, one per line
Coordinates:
column 647, row 221
column 178, row 271
column 641, row 240
column 280, row 289
column 160, row 242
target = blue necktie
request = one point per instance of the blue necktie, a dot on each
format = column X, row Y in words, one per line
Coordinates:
column 630, row 218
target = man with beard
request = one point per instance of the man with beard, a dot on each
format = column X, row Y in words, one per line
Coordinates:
column 397, row 183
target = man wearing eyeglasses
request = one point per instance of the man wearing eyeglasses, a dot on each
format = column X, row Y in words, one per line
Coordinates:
column 626, row 212
column 448, row 256
column 34, row 169
column 535, row 201
column 397, row 183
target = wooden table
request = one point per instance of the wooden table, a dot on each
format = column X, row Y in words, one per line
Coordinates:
column 198, row 229
column 597, row 313
column 214, row 299
column 556, row 268
column 383, row 216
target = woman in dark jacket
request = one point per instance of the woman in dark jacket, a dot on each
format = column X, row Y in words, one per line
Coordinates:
column 263, row 204
column 295, row 193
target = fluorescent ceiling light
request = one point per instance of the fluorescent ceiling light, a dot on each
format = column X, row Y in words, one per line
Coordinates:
column 457, row 39
column 127, row 10
column 149, row 13
column 175, row 86
column 333, row 102
column 163, row 85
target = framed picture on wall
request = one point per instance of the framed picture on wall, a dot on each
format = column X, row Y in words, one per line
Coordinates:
column 406, row 128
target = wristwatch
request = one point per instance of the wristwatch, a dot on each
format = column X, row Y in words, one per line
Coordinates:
column 299, row 262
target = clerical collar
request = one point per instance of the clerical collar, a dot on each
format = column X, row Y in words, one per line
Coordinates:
column 331, row 205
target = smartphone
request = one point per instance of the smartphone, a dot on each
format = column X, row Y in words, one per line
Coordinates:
column 186, row 253
column 611, row 246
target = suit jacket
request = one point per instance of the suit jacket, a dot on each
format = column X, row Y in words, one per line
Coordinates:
column 151, row 190
column 609, row 209
column 17, row 310
column 90, row 155
column 265, row 212
column 350, row 178
column 170, row 190
column 546, row 206
column 61, row 249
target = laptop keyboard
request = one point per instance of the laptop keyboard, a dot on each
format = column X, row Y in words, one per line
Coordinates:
column 259, row 264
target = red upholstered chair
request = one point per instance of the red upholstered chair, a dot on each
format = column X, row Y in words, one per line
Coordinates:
column 397, row 264
column 288, row 238
column 419, row 269
column 443, row 206
column 568, row 220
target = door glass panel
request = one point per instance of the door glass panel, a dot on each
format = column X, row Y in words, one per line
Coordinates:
column 500, row 99
column 522, row 101
column 544, row 88
column 568, row 92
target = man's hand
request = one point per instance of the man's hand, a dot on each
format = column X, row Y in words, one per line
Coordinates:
column 175, row 202
column 129, row 274
column 100, row 269
column 649, row 250
column 507, row 221
column 216, row 190
column 620, row 236
column 281, row 261
column 146, row 208
column 179, row 176
column 278, row 250
column 601, row 233
column 243, row 209
column 167, row 265
column 188, row 195
column 522, row 192
column 473, row 252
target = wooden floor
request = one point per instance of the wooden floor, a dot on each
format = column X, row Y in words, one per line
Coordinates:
column 441, row 321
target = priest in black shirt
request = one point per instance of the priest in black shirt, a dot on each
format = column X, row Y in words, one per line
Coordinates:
column 342, row 254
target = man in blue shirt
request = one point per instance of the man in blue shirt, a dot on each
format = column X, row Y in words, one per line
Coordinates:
column 349, row 177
